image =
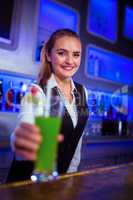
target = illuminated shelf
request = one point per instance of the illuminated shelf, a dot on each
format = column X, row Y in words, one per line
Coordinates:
column 128, row 23
column 105, row 65
column 101, row 21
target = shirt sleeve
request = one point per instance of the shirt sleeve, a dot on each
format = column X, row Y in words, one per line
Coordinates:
column 32, row 105
column 73, row 167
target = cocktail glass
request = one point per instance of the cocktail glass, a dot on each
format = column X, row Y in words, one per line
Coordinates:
column 49, row 124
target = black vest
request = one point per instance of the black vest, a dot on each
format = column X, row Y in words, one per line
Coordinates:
column 72, row 135
column 21, row 170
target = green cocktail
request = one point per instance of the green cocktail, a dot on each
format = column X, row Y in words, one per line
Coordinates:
column 47, row 153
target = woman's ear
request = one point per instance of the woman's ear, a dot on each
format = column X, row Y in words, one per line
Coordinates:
column 44, row 55
column 48, row 57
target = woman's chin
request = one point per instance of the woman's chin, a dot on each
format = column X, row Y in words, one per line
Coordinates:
column 69, row 73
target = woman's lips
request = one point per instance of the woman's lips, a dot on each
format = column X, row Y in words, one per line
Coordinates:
column 68, row 67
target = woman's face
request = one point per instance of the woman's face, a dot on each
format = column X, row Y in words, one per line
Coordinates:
column 65, row 57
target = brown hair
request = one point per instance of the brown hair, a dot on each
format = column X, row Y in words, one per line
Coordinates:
column 46, row 68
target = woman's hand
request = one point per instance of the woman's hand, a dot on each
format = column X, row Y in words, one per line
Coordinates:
column 26, row 140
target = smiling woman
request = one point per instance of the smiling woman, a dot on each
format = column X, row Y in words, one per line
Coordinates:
column 60, row 58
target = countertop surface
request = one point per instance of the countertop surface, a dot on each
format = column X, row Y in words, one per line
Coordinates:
column 109, row 183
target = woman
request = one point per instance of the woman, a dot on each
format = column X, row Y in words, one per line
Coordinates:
column 60, row 57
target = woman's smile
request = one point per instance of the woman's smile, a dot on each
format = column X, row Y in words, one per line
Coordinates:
column 67, row 67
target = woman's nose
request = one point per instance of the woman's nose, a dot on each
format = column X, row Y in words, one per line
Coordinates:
column 69, row 59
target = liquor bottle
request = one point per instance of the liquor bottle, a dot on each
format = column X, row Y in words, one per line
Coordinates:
column 91, row 65
column 102, row 105
column 1, row 93
column 92, row 104
column 96, row 66
column 10, row 97
column 122, row 123
column 20, row 94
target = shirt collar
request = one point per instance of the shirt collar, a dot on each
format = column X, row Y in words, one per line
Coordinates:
column 52, row 82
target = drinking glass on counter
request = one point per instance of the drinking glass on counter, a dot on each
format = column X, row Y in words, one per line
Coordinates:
column 49, row 124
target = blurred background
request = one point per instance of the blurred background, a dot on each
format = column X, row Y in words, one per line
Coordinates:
column 106, row 31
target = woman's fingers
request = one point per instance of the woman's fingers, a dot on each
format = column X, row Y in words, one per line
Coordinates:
column 60, row 138
column 28, row 145
column 30, row 133
column 27, row 155
column 29, row 127
column 25, row 141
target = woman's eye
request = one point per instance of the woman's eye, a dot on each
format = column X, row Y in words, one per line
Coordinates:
column 76, row 55
column 61, row 53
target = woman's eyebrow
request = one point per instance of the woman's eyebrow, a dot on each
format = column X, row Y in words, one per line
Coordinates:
column 76, row 51
column 61, row 49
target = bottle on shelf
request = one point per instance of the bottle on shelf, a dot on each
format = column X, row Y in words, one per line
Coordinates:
column 120, row 116
column 1, row 93
column 96, row 66
column 91, row 65
column 121, row 123
column 92, row 104
column 102, row 105
column 20, row 94
column 10, row 97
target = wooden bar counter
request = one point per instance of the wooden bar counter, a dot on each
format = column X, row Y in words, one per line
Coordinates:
column 109, row 183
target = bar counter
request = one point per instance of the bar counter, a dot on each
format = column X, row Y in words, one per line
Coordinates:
column 109, row 183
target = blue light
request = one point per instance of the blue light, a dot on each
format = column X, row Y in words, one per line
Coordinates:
column 111, row 66
column 128, row 23
column 102, row 19
column 54, row 15
column 130, row 108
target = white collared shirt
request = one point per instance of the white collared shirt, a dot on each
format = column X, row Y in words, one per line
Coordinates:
column 71, row 107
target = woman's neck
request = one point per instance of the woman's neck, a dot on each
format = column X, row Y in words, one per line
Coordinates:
column 63, row 83
column 65, row 87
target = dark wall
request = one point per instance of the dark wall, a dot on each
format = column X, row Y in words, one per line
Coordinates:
column 122, row 46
